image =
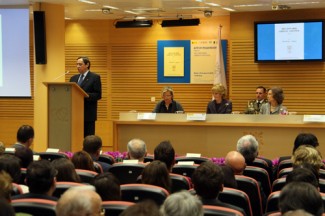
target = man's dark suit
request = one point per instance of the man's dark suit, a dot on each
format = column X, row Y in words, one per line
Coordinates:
column 93, row 87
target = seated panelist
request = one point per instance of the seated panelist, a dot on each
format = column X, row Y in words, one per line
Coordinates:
column 274, row 106
column 168, row 104
column 254, row 106
column 219, row 105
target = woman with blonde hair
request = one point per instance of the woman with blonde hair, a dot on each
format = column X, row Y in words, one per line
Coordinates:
column 307, row 154
column 219, row 105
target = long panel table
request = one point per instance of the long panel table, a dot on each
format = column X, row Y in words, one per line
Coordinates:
column 218, row 134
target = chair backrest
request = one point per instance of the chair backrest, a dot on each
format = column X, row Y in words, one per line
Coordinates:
column 179, row 182
column 220, row 211
column 196, row 160
column 61, row 187
column 86, row 176
column 140, row 192
column 272, row 203
column 258, row 162
column 23, row 172
column 284, row 172
column 260, row 175
column 237, row 198
column 98, row 167
column 321, row 185
column 52, row 155
column 321, row 173
column 35, row 207
column 127, row 173
column 284, row 164
column 148, row 158
column 106, row 158
column 185, row 170
column 16, row 189
column 278, row 184
column 252, row 189
column 115, row 208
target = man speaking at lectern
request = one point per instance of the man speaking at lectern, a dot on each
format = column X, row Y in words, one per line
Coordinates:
column 91, row 84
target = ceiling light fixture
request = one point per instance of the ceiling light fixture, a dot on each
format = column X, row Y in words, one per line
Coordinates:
column 180, row 22
column 133, row 24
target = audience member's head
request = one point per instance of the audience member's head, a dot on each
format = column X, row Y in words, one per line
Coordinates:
column 10, row 164
column 156, row 173
column 93, row 145
column 208, row 180
column 165, row 153
column 79, row 201
column 301, row 195
column 307, row 154
column 107, row 186
column 299, row 212
column 137, row 149
column 2, row 148
column 25, row 135
column 83, row 160
column 66, row 170
column 5, row 186
column 143, row 208
column 180, row 204
column 229, row 177
column 302, row 175
column 305, row 139
column 40, row 177
column 236, row 161
column 25, row 155
column 248, row 146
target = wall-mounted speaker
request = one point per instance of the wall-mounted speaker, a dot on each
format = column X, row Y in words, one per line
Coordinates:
column 180, row 22
column 40, row 37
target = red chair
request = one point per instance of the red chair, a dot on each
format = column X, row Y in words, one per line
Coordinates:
column 220, row 211
column 185, row 170
column 252, row 189
column 284, row 164
column 140, row 192
column 284, row 172
column 35, row 207
column 61, row 187
column 127, row 173
column 278, row 184
column 106, row 159
column 179, row 182
column 260, row 175
column 52, row 155
column 272, row 203
column 86, row 176
column 115, row 208
column 237, row 198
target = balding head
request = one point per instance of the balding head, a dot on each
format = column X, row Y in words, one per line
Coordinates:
column 79, row 201
column 236, row 161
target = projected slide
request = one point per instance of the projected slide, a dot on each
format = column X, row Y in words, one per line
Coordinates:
column 14, row 53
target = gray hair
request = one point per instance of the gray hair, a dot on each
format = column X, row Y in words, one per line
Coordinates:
column 78, row 201
column 137, row 148
column 180, row 204
column 248, row 146
column 167, row 88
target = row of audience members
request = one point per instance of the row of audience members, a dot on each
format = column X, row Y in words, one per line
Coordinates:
column 41, row 175
column 267, row 102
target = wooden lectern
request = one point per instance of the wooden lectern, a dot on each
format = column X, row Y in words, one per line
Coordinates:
column 65, row 115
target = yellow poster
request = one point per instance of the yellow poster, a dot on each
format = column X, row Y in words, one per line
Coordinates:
column 174, row 61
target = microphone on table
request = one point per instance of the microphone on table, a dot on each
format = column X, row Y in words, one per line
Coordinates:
column 65, row 73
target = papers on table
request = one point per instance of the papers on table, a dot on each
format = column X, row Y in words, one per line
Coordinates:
column 314, row 118
column 146, row 116
column 196, row 117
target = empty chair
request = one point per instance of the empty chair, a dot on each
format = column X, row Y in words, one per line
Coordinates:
column 140, row 192
column 220, row 211
column 35, row 207
column 61, row 187
column 278, row 184
column 105, row 158
column 185, row 170
column 86, row 176
column 52, row 155
column 252, row 189
column 115, row 208
column 272, row 203
column 196, row 160
column 260, row 175
column 179, row 182
column 258, row 162
column 127, row 173
column 237, row 198
column 284, row 172
column 284, row 164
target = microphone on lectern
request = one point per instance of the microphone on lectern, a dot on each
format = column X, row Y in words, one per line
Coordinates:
column 65, row 73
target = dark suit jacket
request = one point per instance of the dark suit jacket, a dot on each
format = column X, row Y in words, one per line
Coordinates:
column 93, row 87
column 224, row 108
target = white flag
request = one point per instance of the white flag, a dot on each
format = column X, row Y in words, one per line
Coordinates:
column 220, row 74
